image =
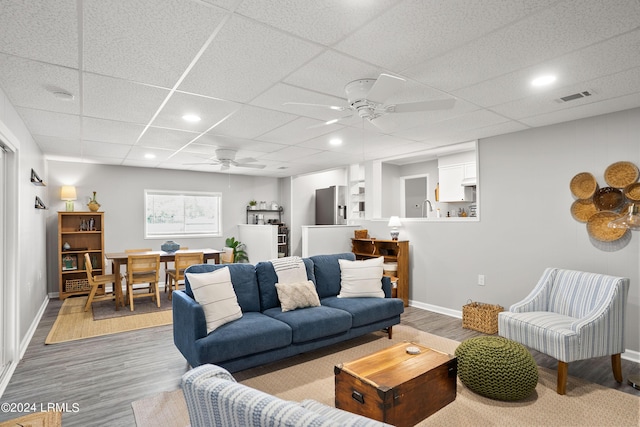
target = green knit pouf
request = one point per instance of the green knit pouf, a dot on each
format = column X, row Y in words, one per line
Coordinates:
column 497, row 368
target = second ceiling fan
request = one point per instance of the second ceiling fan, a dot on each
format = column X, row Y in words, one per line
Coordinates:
column 366, row 98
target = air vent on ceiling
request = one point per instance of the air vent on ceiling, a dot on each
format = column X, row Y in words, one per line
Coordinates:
column 575, row 96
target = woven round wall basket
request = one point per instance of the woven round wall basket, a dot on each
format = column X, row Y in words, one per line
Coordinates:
column 598, row 227
column 583, row 185
column 621, row 174
column 582, row 210
column 608, row 199
column 632, row 192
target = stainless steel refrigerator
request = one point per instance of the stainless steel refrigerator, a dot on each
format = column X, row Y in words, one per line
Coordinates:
column 331, row 205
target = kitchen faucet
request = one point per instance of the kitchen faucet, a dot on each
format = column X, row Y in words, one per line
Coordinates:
column 430, row 208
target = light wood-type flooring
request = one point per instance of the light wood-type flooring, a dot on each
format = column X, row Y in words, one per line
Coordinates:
column 104, row 375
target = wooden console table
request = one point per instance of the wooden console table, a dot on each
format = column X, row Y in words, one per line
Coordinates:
column 392, row 251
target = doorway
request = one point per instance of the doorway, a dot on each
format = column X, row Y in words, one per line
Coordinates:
column 413, row 193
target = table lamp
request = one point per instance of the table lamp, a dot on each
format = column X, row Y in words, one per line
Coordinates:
column 394, row 223
column 68, row 193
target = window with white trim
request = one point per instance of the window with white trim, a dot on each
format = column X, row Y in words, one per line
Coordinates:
column 171, row 214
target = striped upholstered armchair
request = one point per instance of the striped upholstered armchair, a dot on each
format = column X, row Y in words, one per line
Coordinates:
column 571, row 315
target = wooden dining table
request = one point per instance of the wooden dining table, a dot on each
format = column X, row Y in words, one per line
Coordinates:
column 121, row 258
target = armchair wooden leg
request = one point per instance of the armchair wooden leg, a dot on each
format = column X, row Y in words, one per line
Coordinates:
column 616, row 364
column 390, row 331
column 563, row 369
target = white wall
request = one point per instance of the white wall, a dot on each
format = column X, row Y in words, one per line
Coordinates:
column 120, row 191
column 525, row 221
column 25, row 291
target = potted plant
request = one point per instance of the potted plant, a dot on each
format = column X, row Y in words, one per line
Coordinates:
column 239, row 253
column 253, row 205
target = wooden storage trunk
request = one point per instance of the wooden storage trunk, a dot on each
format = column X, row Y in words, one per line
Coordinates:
column 395, row 387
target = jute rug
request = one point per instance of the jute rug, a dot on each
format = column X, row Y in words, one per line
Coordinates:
column 73, row 323
column 37, row 419
column 106, row 309
column 310, row 376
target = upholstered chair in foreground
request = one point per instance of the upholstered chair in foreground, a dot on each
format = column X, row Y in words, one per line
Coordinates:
column 571, row 315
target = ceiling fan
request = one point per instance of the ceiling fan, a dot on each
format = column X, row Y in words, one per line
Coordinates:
column 366, row 99
column 227, row 158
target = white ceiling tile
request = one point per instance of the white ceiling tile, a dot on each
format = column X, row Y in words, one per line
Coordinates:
column 289, row 154
column 556, row 31
column 475, row 119
column 136, row 156
column 121, row 100
column 298, row 130
column 59, row 146
column 91, row 149
column 145, row 41
column 223, row 141
column 210, row 110
column 312, row 19
column 260, row 55
column 545, row 102
column 42, row 30
column 110, row 131
column 32, row 84
column 48, row 123
column 430, row 28
column 251, row 122
column 165, row 138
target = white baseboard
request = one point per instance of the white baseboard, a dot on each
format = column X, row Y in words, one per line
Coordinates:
column 631, row 355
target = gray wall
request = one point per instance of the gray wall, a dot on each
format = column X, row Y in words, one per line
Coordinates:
column 525, row 221
column 120, row 191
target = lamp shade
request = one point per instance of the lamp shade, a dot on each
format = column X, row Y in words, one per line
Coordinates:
column 68, row 192
column 394, row 221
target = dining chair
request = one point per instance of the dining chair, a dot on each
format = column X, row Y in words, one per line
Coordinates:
column 167, row 269
column 98, row 282
column 226, row 257
column 182, row 261
column 143, row 269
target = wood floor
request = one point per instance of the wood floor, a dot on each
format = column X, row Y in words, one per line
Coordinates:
column 103, row 375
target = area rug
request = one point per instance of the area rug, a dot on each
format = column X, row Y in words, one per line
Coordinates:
column 73, row 323
column 37, row 419
column 311, row 376
column 106, row 309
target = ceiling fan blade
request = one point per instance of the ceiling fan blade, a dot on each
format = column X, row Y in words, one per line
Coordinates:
column 385, row 123
column 212, row 162
column 327, row 107
column 411, row 107
column 246, row 160
column 385, row 86
column 249, row 165
column 331, row 122
column 225, row 166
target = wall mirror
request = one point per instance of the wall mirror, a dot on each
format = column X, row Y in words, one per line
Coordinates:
column 435, row 184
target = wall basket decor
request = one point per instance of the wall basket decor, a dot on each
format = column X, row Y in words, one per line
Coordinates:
column 598, row 206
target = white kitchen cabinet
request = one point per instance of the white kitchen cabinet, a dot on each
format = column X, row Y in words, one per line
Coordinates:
column 451, row 180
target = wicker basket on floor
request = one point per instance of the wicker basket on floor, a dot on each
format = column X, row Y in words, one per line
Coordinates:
column 481, row 317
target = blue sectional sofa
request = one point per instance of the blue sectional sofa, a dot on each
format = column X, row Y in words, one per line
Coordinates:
column 265, row 333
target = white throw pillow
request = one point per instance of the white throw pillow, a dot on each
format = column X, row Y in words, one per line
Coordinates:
column 214, row 292
column 297, row 295
column 361, row 278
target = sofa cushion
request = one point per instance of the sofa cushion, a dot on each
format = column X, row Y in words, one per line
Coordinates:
column 243, row 277
column 267, row 279
column 312, row 322
column 214, row 292
column 365, row 311
column 361, row 279
column 327, row 273
column 251, row 334
column 297, row 295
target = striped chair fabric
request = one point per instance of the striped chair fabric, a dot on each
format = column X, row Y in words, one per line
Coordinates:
column 570, row 315
column 214, row 399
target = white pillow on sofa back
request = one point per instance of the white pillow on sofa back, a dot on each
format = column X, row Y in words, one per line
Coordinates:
column 214, row 292
column 360, row 279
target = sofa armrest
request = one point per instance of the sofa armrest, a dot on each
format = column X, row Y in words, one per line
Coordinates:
column 339, row 416
column 386, row 286
column 189, row 325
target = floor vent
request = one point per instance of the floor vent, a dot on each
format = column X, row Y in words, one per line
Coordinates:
column 575, row 96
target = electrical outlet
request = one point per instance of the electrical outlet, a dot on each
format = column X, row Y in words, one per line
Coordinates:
column 480, row 279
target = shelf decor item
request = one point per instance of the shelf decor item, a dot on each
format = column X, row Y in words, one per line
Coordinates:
column 93, row 204
column 394, row 223
column 253, row 205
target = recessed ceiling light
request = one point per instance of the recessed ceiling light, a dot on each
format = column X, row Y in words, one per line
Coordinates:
column 335, row 141
column 63, row 96
column 191, row 118
column 330, row 122
column 149, row 156
column 543, row 80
